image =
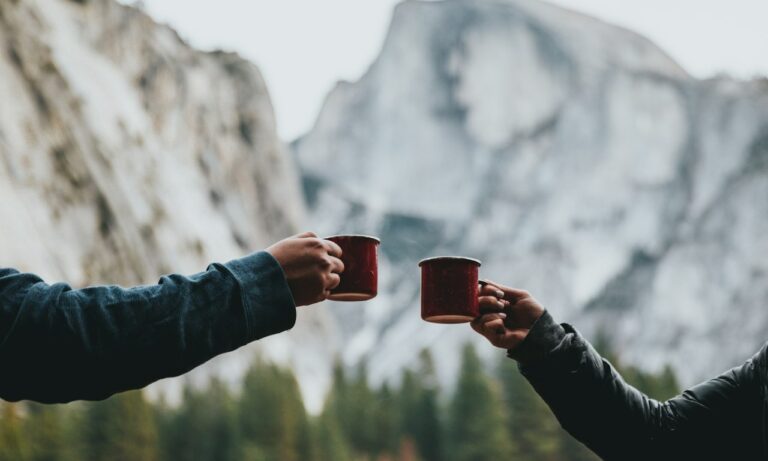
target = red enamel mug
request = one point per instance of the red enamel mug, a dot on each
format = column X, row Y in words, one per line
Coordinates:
column 449, row 289
column 359, row 281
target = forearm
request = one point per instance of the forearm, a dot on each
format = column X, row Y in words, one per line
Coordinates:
column 588, row 396
column 723, row 418
column 59, row 344
column 719, row 419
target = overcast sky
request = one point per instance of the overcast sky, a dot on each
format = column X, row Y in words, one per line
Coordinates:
column 304, row 46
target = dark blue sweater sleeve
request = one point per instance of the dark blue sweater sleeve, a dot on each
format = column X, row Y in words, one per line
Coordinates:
column 58, row 344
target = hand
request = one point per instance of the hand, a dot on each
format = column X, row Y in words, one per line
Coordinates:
column 507, row 315
column 311, row 266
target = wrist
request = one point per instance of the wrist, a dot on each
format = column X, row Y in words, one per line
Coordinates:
column 265, row 294
column 545, row 334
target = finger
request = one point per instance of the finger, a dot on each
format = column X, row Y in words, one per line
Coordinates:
column 490, row 290
column 509, row 292
column 489, row 316
column 333, row 281
column 478, row 322
column 332, row 248
column 485, row 282
column 515, row 294
column 337, row 265
column 305, row 235
column 485, row 318
column 491, row 304
column 495, row 326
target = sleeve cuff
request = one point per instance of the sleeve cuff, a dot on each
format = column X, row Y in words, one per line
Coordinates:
column 267, row 299
column 544, row 336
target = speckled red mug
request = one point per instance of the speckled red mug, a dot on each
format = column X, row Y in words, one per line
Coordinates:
column 449, row 289
column 359, row 281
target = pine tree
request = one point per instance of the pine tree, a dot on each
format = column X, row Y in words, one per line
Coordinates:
column 352, row 404
column 478, row 417
column 329, row 443
column 532, row 426
column 273, row 421
column 386, row 422
column 360, row 425
column 659, row 386
column 666, row 384
column 420, row 410
column 121, row 428
column 168, row 428
column 14, row 446
column 44, row 427
column 74, row 419
column 204, row 427
column 329, row 435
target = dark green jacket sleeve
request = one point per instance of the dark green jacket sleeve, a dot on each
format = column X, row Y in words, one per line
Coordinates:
column 723, row 418
column 58, row 344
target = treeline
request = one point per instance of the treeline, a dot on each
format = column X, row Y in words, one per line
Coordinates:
column 487, row 416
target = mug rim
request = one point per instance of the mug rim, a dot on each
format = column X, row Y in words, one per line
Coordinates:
column 361, row 236
column 450, row 258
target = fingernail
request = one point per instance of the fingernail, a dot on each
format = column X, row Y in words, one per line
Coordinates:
column 500, row 304
column 506, row 303
column 499, row 294
column 502, row 315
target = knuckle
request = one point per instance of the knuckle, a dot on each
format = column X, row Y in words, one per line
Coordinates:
column 315, row 284
column 313, row 242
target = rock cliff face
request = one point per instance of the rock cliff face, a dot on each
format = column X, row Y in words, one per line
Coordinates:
column 125, row 154
column 576, row 159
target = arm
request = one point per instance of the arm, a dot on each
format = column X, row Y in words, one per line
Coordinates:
column 594, row 404
column 58, row 344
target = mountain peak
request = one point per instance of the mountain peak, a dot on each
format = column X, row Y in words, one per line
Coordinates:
column 556, row 148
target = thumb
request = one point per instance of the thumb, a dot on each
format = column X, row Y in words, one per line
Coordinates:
column 305, row 235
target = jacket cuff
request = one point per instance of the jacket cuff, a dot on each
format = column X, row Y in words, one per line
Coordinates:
column 544, row 336
column 266, row 297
